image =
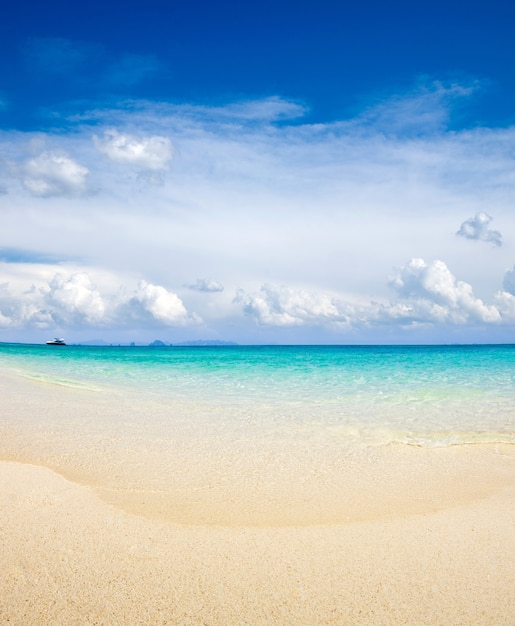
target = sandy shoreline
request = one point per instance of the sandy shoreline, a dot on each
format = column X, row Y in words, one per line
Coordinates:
column 188, row 475
column 70, row 558
column 104, row 520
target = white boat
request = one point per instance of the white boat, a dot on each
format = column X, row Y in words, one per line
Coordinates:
column 55, row 342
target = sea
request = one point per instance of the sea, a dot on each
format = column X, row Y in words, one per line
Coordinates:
column 216, row 424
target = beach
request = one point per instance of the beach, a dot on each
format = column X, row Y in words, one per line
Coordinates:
column 70, row 558
column 121, row 507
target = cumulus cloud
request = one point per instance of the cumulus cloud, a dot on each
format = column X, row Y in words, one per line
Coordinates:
column 163, row 305
column 509, row 281
column 70, row 300
column 243, row 185
column 476, row 228
column 505, row 302
column 53, row 174
column 75, row 299
column 427, row 293
column 206, row 285
column 151, row 153
column 284, row 306
column 437, row 295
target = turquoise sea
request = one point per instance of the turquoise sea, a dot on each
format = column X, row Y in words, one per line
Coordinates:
column 241, row 434
column 430, row 395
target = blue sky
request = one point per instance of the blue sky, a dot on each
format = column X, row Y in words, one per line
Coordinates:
column 336, row 56
column 278, row 172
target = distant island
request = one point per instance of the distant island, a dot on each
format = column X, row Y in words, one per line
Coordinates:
column 205, row 342
column 158, row 343
column 193, row 344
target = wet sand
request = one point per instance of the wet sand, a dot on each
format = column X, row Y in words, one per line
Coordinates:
column 68, row 557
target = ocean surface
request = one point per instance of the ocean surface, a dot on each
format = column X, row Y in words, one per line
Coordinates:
column 426, row 395
column 194, row 425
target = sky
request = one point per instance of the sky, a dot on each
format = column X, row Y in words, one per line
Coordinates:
column 260, row 173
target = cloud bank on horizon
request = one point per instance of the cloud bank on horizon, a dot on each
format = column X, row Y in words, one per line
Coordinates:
column 245, row 221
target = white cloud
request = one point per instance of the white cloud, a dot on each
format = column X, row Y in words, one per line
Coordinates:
column 426, row 110
column 53, row 174
column 505, row 302
column 75, row 299
column 437, row 294
column 269, row 109
column 151, row 153
column 428, row 294
column 206, row 285
column 64, row 300
column 285, row 306
column 476, row 228
column 72, row 300
column 325, row 209
column 235, row 115
column 163, row 305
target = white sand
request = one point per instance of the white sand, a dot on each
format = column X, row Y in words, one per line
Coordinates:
column 136, row 526
column 67, row 557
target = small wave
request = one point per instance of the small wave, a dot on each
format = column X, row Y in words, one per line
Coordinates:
column 62, row 382
column 447, row 439
column 374, row 436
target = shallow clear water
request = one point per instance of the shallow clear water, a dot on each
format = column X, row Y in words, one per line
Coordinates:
column 426, row 395
column 263, row 435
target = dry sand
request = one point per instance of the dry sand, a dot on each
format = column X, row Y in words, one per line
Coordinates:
column 69, row 557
